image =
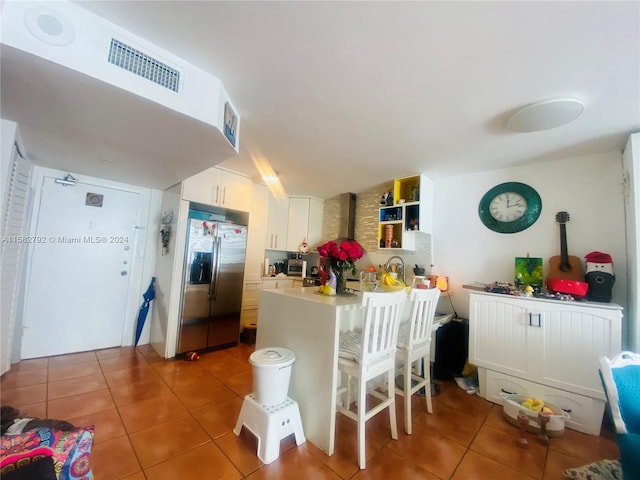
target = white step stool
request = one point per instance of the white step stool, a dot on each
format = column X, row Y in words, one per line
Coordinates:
column 270, row 424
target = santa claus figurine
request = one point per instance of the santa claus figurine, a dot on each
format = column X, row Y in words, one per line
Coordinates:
column 599, row 275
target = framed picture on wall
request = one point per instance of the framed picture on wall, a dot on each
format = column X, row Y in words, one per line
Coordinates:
column 230, row 124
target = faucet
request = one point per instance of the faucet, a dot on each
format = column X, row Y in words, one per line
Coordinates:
column 388, row 265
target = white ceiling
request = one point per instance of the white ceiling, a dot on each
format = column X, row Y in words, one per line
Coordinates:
column 343, row 96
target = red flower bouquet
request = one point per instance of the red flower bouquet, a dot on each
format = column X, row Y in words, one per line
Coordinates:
column 341, row 257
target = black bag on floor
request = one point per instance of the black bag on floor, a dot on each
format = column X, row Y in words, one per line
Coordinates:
column 452, row 349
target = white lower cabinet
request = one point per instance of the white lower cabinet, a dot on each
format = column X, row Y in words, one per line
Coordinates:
column 251, row 296
column 248, row 316
column 544, row 348
column 250, row 301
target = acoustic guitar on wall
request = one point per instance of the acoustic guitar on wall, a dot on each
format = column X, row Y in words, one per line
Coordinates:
column 565, row 266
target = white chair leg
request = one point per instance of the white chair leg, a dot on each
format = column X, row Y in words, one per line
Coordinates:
column 407, row 396
column 426, row 366
column 362, row 411
column 392, row 405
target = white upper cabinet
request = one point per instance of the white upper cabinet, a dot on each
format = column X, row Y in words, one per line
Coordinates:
column 199, row 187
column 305, row 222
column 235, row 191
column 316, row 217
column 277, row 221
column 254, row 258
column 219, row 188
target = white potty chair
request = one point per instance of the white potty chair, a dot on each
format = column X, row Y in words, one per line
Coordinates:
column 268, row 412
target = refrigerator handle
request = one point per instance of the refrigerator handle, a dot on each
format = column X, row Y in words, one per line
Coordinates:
column 215, row 267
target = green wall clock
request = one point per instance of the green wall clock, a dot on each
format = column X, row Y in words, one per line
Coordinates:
column 510, row 207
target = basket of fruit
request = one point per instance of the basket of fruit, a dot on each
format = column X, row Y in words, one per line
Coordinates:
column 513, row 404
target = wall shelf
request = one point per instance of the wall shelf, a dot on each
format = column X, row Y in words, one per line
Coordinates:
column 407, row 223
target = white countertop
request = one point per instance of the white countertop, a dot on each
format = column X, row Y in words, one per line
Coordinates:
column 311, row 295
column 583, row 303
column 285, row 277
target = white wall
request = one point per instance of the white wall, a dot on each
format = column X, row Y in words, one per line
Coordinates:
column 152, row 240
column 589, row 188
column 167, row 270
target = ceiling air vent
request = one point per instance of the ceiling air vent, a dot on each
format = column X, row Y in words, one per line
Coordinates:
column 124, row 56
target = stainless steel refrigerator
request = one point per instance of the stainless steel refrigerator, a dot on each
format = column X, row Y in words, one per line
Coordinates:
column 213, row 274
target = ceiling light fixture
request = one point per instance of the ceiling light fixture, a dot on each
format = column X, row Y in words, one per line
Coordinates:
column 545, row 115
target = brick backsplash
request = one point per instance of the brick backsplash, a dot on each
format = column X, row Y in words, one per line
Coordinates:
column 367, row 210
column 366, row 225
column 330, row 219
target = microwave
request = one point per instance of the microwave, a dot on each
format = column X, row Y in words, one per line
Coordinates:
column 296, row 267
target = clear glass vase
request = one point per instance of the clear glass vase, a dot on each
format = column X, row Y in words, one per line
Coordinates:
column 341, row 279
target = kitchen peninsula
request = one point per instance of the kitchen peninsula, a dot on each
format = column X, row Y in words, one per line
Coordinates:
column 309, row 324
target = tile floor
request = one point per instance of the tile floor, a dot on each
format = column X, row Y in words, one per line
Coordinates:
column 172, row 420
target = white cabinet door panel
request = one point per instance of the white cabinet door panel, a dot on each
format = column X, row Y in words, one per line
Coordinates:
column 298, row 221
column 316, row 216
column 200, row 187
column 219, row 188
column 573, row 342
column 235, row 191
column 498, row 336
column 277, row 222
column 254, row 258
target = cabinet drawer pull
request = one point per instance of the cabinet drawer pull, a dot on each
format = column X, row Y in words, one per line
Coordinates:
column 539, row 315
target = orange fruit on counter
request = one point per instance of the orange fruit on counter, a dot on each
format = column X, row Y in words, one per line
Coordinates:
column 371, row 268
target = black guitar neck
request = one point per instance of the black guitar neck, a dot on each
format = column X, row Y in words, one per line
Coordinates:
column 562, row 218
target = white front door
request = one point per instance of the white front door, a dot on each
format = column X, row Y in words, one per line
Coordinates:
column 79, row 277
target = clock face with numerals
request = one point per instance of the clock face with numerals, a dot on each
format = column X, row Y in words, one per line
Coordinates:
column 510, row 207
